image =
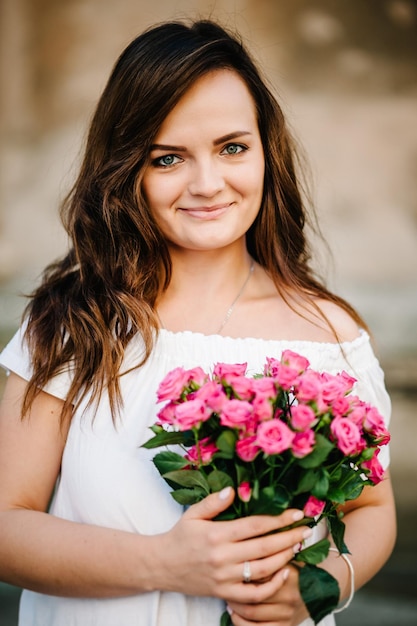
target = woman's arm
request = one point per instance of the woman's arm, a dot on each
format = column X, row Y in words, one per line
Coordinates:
column 48, row 554
column 370, row 535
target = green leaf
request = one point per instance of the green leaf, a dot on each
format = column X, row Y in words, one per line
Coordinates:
column 217, row 480
column 319, row 590
column 307, row 482
column 336, row 476
column 156, row 429
column 187, row 497
column 188, row 478
column 242, row 473
column 168, row 461
column 367, row 454
column 166, row 438
column 321, row 485
column 337, row 530
column 225, row 619
column 336, row 495
column 226, row 443
column 320, row 453
column 272, row 501
column 315, row 553
column 355, row 491
column 227, row 515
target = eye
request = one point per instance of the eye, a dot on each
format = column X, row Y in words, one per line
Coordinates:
column 168, row 160
column 234, row 148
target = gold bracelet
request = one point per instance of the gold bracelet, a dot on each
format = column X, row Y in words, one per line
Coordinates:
column 352, row 579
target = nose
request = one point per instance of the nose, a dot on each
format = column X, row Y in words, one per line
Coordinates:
column 206, row 179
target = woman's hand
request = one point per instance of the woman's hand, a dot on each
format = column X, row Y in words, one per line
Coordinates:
column 284, row 608
column 206, row 558
column 370, row 534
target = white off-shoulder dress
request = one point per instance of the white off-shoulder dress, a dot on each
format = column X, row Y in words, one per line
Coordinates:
column 108, row 479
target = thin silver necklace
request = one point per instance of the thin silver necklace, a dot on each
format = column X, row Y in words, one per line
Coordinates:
column 232, row 306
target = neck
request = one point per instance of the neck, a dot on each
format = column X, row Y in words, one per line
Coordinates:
column 216, row 271
column 204, row 291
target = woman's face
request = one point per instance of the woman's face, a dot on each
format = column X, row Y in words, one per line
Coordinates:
column 204, row 181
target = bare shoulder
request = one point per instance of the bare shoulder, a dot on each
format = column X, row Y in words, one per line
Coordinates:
column 345, row 326
column 291, row 315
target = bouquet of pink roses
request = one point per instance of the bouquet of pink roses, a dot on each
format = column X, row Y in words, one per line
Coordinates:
column 289, row 437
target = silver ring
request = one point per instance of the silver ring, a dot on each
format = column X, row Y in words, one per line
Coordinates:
column 247, row 575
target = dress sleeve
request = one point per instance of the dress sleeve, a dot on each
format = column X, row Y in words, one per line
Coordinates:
column 358, row 359
column 16, row 358
column 371, row 388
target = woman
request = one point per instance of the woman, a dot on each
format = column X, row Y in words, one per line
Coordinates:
column 188, row 248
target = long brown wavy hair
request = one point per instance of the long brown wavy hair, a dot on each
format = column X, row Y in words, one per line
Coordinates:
column 91, row 303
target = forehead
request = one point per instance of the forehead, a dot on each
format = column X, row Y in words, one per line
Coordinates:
column 217, row 100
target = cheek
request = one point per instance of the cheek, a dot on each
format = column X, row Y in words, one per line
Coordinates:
column 252, row 185
column 159, row 192
column 252, row 178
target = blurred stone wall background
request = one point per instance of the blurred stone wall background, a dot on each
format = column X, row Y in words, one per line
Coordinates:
column 346, row 72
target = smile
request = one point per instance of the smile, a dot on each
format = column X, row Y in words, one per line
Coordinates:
column 207, row 212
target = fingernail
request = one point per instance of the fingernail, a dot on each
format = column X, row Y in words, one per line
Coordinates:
column 297, row 515
column 285, row 574
column 307, row 533
column 224, row 493
column 297, row 547
column 229, row 610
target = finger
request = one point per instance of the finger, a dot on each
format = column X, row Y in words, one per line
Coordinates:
column 278, row 609
column 212, row 505
column 263, row 570
column 261, row 525
column 256, row 593
column 282, row 545
column 265, row 614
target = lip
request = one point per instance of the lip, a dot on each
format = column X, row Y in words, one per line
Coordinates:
column 206, row 212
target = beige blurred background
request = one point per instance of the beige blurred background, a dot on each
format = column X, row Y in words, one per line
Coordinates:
column 346, row 73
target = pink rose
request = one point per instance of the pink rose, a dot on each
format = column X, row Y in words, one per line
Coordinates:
column 244, row 491
column 314, row 507
column 374, row 424
column 302, row 416
column 309, row 387
column 286, row 376
column 264, row 387
column 212, row 393
column 374, row 470
column 197, row 375
column 271, row 366
column 223, row 371
column 235, row 413
column 333, row 387
column 190, row 414
column 340, row 406
column 202, row 453
column 262, row 408
column 347, row 435
column 357, row 411
column 294, row 360
column 172, row 386
column 303, row 443
column 246, row 448
column 242, row 387
column 273, row 436
column 349, row 380
column 167, row 414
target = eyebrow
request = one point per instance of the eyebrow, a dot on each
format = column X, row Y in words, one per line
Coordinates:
column 216, row 142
